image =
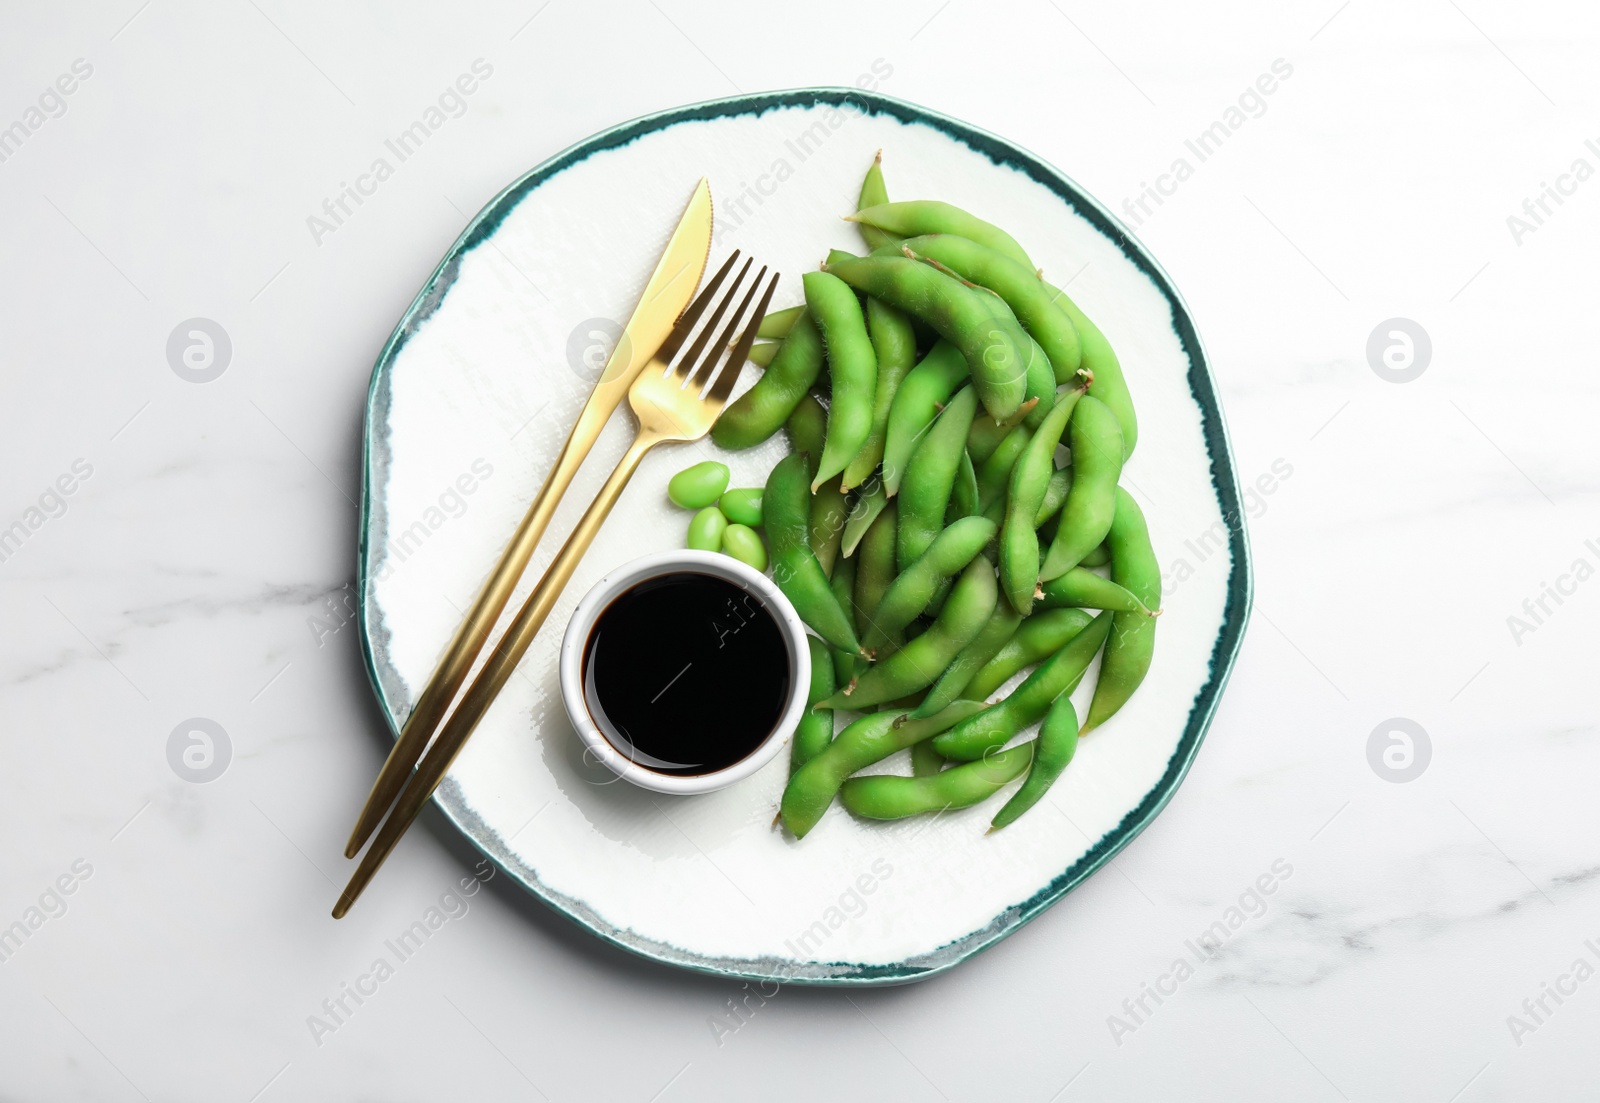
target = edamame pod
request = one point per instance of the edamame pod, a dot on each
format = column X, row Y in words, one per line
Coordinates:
column 896, row 349
column 1000, row 627
column 761, row 411
column 991, row 729
column 996, row 353
column 873, row 193
column 1081, row 588
column 1055, row 494
column 787, row 506
column 845, row 663
column 995, row 472
column 1019, row 535
column 762, row 352
column 930, row 477
column 870, row 739
column 875, row 567
column 925, row 761
column 852, row 365
column 1035, row 639
column 779, row 322
column 964, row 493
column 919, row 662
column 806, row 426
column 826, row 530
column 1057, row 743
column 925, row 389
column 987, row 434
column 920, row 217
column 910, row 592
column 1108, row 385
column 869, row 502
column 815, row 730
column 890, row 797
column 1091, row 501
column 1133, row 635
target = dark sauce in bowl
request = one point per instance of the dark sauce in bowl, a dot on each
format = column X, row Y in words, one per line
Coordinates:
column 686, row 673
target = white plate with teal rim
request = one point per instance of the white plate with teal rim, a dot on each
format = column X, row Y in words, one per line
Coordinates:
column 473, row 395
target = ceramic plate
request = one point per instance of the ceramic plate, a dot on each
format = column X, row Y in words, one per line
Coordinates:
column 477, row 388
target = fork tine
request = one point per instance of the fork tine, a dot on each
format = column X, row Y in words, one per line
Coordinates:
column 723, row 387
column 686, row 320
column 693, row 355
column 705, row 368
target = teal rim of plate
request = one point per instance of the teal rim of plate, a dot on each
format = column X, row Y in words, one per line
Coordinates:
column 1005, row 154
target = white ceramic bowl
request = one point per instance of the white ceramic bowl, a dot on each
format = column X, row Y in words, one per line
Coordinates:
column 631, row 574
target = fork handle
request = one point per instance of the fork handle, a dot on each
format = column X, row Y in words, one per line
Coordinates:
column 495, row 673
column 469, row 638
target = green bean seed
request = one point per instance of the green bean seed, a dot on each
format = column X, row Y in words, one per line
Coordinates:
column 852, row 365
column 890, row 797
column 995, row 352
column 1081, row 588
column 870, row 739
column 1133, row 635
column 918, row 663
column 1036, row 639
column 874, row 192
column 743, row 505
column 926, row 388
column 920, row 217
column 761, row 411
column 896, row 349
column 1019, row 285
column 815, row 730
column 706, row 529
column 779, row 322
column 807, row 426
column 1109, row 385
column 925, row 761
column 786, row 506
column 931, row 475
column 868, row 502
column 911, row 590
column 1000, row 627
column 1057, row 742
column 826, row 529
column 1096, row 466
column 991, row 729
column 744, row 544
column 698, row 486
column 1019, row 535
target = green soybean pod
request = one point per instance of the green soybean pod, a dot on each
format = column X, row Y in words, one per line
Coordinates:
column 1099, row 557
column 890, row 797
column 925, row 761
column 1055, row 494
column 761, row 411
column 989, row 730
column 987, row 435
column 826, row 529
column 1057, row 743
column 1081, row 588
column 744, row 544
column 995, row 352
column 698, row 486
column 930, row 477
column 995, row 472
column 807, row 426
column 1133, row 635
column 845, row 663
column 875, row 566
column 896, row 349
column 873, row 193
column 779, row 322
column 1092, row 499
column 917, row 401
column 852, row 364
column 742, row 505
column 1019, row 534
column 1036, row 639
column 1019, row 285
column 1000, row 627
column 870, row 739
column 870, row 499
column 762, row 353
column 1108, row 385
column 919, row 217
column 919, row 662
column 815, row 730
column 786, row 504
column 706, row 529
column 912, row 589
column 964, row 493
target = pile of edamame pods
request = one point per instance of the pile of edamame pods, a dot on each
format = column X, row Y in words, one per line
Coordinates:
column 920, row 525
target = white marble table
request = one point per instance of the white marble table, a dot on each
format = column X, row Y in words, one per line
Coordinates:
column 186, row 550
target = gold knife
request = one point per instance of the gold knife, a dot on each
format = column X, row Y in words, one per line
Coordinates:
column 671, row 287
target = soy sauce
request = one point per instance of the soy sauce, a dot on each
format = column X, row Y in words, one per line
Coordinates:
column 686, row 673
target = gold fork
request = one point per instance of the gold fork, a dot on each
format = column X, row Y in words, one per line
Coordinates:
column 670, row 406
